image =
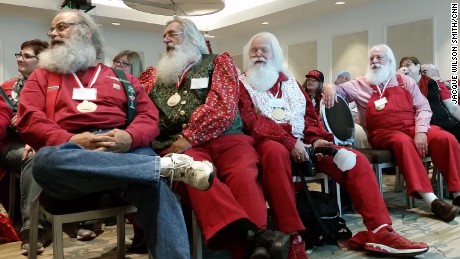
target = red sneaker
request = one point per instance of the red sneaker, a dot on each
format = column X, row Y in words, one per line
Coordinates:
column 387, row 241
column 297, row 248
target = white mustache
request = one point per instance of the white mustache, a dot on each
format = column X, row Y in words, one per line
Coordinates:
column 254, row 60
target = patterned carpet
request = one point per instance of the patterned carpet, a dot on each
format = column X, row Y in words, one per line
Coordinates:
column 417, row 224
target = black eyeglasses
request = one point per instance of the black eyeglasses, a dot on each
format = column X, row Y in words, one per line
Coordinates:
column 120, row 63
column 25, row 56
column 62, row 26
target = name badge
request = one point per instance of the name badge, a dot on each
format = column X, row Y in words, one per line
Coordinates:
column 199, row 83
column 84, row 94
column 276, row 102
column 381, row 101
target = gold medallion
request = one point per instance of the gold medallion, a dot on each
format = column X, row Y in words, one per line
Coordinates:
column 174, row 100
column 86, row 106
column 278, row 114
column 380, row 107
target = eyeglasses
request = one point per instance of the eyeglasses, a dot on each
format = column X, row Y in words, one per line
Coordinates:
column 120, row 63
column 171, row 35
column 25, row 56
column 408, row 64
column 60, row 27
column 255, row 50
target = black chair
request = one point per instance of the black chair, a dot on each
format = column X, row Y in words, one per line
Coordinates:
column 58, row 212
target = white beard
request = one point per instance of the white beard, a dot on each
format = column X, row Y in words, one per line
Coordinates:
column 262, row 76
column 173, row 63
column 378, row 75
column 74, row 54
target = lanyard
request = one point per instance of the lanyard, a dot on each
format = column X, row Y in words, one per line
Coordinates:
column 187, row 69
column 384, row 87
column 96, row 74
column 278, row 91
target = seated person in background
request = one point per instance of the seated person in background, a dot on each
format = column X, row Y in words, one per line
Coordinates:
column 86, row 145
column 342, row 77
column 432, row 72
column 397, row 117
column 446, row 114
column 197, row 95
column 313, row 85
column 285, row 126
column 360, row 134
column 15, row 155
column 128, row 61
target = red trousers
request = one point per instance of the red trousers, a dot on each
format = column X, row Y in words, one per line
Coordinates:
column 362, row 187
column 442, row 147
column 278, row 186
column 235, row 192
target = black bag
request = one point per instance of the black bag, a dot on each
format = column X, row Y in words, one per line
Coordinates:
column 319, row 213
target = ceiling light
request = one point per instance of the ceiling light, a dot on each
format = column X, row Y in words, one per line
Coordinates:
column 116, row 23
column 177, row 7
column 339, row 3
column 265, row 23
column 208, row 36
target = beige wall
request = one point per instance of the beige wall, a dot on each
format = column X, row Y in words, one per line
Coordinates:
column 412, row 39
column 349, row 52
column 302, row 58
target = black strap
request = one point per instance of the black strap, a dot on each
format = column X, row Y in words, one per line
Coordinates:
column 7, row 100
column 310, row 202
column 130, row 94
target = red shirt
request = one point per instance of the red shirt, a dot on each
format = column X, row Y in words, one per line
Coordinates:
column 444, row 92
column 261, row 127
column 38, row 131
column 6, row 115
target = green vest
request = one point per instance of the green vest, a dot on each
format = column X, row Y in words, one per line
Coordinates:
column 173, row 119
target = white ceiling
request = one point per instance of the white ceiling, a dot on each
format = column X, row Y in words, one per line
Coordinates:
column 221, row 24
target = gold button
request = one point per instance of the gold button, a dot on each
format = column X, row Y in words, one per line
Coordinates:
column 183, row 102
column 182, row 113
column 185, row 92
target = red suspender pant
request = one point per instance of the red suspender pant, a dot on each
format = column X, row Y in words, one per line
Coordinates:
column 235, row 192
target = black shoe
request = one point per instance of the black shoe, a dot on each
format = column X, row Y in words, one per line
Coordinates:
column 260, row 253
column 272, row 241
column 456, row 201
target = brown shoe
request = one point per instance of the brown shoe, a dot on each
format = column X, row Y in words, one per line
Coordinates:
column 444, row 210
column 456, row 201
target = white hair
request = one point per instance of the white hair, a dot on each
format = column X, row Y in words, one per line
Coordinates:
column 277, row 58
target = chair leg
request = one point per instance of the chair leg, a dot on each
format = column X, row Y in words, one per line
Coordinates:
column 378, row 171
column 339, row 199
column 399, row 183
column 33, row 228
column 197, row 246
column 121, row 236
column 58, row 240
column 12, row 198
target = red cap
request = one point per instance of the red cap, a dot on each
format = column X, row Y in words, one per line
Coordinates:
column 316, row 74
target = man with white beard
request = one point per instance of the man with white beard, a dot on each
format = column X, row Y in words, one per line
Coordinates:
column 197, row 94
column 76, row 113
column 281, row 117
column 397, row 117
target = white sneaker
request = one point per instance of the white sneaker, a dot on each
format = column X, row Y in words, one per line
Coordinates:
column 180, row 167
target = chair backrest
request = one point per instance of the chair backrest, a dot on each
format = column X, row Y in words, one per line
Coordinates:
column 338, row 120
